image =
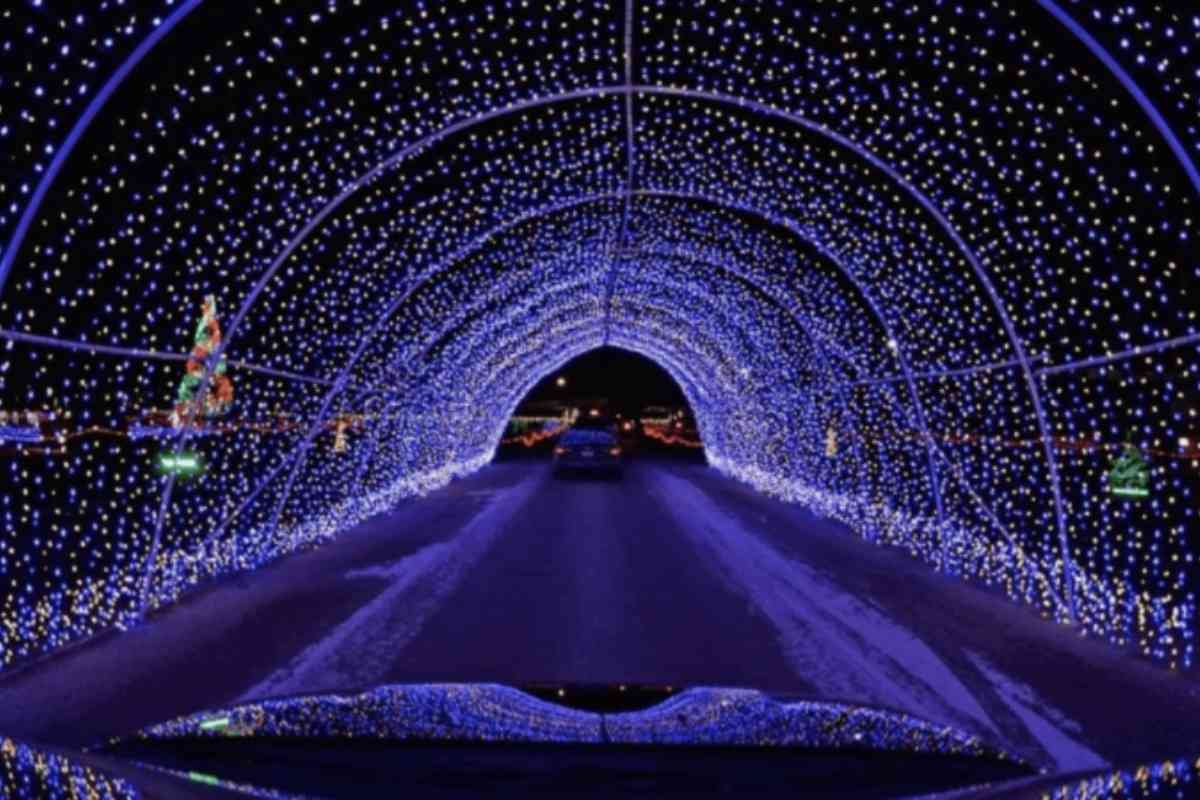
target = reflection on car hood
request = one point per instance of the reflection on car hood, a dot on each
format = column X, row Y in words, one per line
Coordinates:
column 722, row 722
column 488, row 712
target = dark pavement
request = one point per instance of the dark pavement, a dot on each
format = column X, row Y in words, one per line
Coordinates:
column 595, row 584
column 672, row 576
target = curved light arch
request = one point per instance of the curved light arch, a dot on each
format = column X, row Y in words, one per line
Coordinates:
column 644, row 347
column 844, row 239
column 295, row 459
column 114, row 81
column 338, row 383
column 1130, row 85
column 819, row 341
column 655, row 345
column 714, row 97
column 180, row 438
column 1054, row 9
column 521, row 333
column 474, row 342
column 97, row 104
column 447, row 263
column 572, row 351
column 604, row 91
column 821, row 346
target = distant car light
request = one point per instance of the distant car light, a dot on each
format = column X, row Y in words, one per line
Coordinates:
column 560, row 451
column 616, row 451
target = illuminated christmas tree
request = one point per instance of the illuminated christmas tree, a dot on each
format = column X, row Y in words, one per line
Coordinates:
column 1130, row 474
column 219, row 396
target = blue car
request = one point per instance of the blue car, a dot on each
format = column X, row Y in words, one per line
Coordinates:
column 589, row 449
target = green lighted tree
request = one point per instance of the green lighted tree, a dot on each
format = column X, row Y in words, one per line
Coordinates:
column 1129, row 475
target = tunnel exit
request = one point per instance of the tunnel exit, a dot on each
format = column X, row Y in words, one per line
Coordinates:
column 615, row 392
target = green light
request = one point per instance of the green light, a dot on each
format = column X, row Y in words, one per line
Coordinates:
column 202, row 777
column 1130, row 474
column 214, row 724
column 180, row 463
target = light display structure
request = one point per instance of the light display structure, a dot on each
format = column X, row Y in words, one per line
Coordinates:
column 963, row 235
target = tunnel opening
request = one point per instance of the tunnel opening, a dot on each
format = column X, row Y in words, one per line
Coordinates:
column 606, row 387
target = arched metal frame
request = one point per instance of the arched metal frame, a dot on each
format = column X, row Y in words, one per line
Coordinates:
column 32, row 208
column 339, row 380
column 293, row 460
column 820, row 347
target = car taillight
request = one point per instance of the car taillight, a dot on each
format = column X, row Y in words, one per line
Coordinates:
column 616, row 451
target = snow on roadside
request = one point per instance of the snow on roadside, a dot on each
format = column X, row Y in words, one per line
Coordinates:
column 1046, row 723
column 844, row 647
column 359, row 651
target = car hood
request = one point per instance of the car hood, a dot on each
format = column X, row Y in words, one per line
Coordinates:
column 464, row 739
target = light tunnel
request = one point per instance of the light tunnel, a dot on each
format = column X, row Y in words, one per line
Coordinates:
column 924, row 267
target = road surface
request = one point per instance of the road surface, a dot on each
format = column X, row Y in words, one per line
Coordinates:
column 672, row 576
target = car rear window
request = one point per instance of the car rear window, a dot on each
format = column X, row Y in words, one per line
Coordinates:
column 587, row 436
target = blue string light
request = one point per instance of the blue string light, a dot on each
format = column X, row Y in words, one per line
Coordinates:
column 955, row 241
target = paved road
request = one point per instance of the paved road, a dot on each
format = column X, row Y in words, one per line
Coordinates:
column 674, row 576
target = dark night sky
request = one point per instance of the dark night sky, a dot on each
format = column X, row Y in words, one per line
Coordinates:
column 628, row 380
